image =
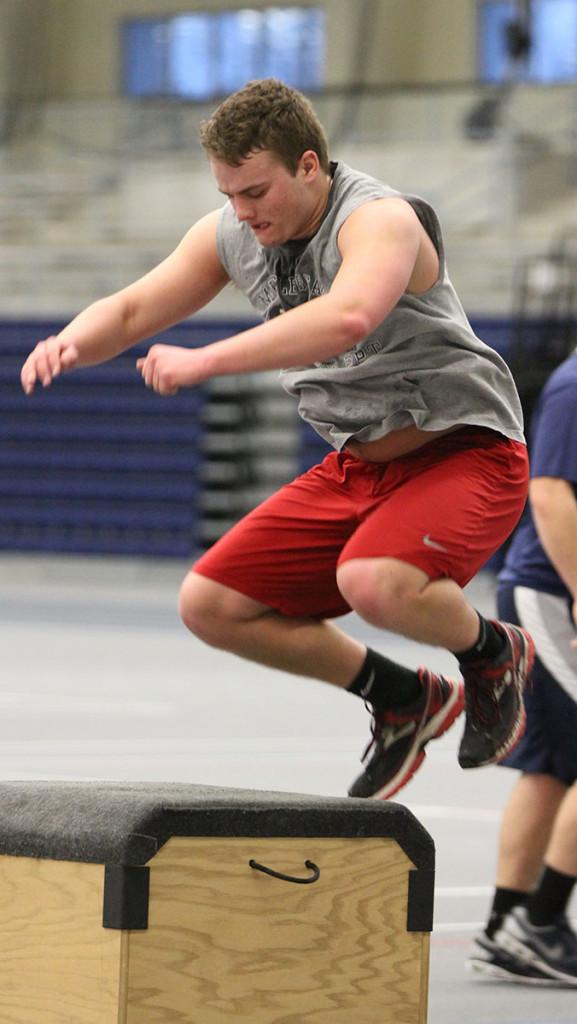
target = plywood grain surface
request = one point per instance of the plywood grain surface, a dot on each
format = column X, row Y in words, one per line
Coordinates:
column 227, row 943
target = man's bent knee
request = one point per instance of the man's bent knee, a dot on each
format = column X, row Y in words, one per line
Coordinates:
column 380, row 590
column 210, row 610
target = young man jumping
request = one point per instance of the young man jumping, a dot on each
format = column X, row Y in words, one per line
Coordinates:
column 429, row 474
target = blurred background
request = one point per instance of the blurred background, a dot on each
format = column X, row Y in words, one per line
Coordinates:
column 470, row 104
column 107, row 491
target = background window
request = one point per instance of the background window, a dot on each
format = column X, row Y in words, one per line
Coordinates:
column 201, row 55
column 553, row 53
column 493, row 58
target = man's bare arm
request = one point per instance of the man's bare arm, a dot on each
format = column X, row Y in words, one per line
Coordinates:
column 179, row 286
column 380, row 245
column 554, row 509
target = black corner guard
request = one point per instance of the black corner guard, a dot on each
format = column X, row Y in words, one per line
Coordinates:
column 126, row 892
column 421, row 900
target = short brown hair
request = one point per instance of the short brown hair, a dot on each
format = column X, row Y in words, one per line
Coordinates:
column 265, row 114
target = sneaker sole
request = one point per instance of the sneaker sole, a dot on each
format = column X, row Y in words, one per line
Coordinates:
column 437, row 725
column 518, row 948
column 519, row 728
column 495, row 973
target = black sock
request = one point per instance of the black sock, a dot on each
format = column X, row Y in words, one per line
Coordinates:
column 489, row 644
column 550, row 898
column 384, row 683
column 503, row 901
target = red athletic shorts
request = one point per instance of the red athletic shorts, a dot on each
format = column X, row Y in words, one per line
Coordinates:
column 445, row 508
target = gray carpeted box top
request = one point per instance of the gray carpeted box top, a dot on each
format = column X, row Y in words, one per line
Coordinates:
column 127, row 823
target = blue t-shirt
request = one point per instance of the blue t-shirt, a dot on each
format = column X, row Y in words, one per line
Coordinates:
column 553, row 452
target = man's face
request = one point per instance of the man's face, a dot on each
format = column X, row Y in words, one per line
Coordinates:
column 276, row 205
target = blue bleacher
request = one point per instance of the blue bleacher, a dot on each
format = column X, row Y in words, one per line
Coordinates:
column 98, row 463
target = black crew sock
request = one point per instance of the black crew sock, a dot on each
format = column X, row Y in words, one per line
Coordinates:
column 489, row 644
column 503, row 901
column 385, row 683
column 550, row 898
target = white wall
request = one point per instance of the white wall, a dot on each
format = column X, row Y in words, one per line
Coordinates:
column 24, row 49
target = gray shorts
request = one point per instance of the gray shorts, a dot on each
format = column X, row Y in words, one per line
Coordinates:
column 549, row 745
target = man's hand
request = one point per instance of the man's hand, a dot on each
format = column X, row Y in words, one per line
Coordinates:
column 50, row 358
column 167, row 368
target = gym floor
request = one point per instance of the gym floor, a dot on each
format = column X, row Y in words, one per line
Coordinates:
column 100, row 680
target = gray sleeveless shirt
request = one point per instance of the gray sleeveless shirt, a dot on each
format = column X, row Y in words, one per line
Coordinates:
column 422, row 365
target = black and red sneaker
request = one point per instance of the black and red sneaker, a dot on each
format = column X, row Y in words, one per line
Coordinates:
column 494, row 710
column 399, row 736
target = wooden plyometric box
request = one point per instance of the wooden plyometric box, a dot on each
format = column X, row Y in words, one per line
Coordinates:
column 168, row 904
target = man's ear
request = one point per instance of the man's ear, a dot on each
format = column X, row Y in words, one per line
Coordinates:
column 309, row 164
